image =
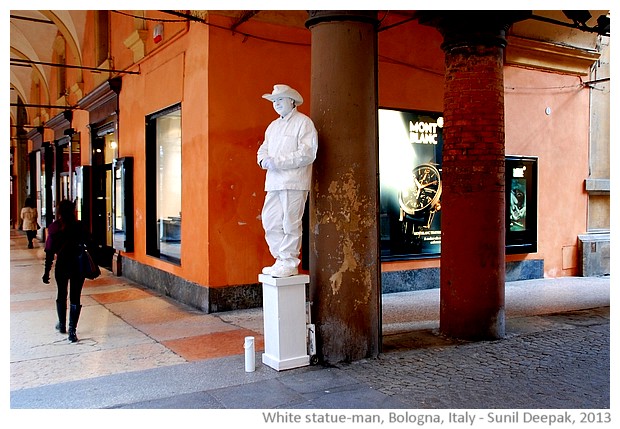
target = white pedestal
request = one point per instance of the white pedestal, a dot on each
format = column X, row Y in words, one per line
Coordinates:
column 284, row 315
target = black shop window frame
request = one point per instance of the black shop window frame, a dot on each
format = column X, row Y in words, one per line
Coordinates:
column 521, row 204
column 154, row 240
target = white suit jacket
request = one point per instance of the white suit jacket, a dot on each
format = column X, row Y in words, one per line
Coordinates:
column 292, row 142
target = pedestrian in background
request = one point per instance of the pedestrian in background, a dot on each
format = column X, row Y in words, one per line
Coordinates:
column 65, row 236
column 30, row 216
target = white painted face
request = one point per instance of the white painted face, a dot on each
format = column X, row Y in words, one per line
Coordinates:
column 283, row 106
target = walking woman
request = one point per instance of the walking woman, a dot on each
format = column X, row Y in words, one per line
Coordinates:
column 65, row 235
column 29, row 217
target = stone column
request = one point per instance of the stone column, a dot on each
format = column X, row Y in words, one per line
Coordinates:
column 473, row 200
column 345, row 288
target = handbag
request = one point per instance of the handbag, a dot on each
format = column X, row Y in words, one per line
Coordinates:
column 88, row 268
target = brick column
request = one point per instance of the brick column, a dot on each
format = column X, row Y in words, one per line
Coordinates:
column 473, row 201
column 344, row 248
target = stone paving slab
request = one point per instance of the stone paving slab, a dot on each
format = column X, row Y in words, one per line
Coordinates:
column 83, row 366
column 563, row 368
column 557, row 360
column 564, row 365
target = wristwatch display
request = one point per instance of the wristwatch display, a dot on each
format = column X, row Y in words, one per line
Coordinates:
column 419, row 201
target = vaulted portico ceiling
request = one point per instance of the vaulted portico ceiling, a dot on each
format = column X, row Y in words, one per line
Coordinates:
column 33, row 33
column 32, row 37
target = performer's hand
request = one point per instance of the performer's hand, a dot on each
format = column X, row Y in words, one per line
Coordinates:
column 46, row 278
column 268, row 163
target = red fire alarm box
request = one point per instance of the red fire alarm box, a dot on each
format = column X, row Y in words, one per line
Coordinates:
column 158, row 33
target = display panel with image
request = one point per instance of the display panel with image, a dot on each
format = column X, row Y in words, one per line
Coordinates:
column 410, row 183
column 518, row 215
column 521, row 204
column 410, row 147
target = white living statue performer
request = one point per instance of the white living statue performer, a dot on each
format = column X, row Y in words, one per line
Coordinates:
column 289, row 149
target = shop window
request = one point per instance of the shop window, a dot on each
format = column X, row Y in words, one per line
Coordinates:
column 163, row 182
column 410, row 167
column 521, row 204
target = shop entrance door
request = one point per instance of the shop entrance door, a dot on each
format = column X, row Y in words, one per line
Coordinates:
column 104, row 151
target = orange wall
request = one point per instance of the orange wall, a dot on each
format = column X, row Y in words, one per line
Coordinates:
column 411, row 77
column 166, row 79
column 219, row 77
column 560, row 140
column 411, row 68
column 240, row 71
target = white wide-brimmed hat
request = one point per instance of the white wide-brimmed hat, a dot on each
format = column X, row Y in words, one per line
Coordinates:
column 280, row 91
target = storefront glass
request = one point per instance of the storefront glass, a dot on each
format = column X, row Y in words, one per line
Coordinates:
column 410, row 149
column 164, row 159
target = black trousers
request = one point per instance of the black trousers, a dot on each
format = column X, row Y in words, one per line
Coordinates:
column 70, row 283
column 30, row 235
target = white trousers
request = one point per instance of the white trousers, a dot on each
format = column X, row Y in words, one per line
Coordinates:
column 282, row 220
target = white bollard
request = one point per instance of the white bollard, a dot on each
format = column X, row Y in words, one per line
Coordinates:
column 250, row 364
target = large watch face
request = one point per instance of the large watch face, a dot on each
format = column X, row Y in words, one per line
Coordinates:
column 423, row 191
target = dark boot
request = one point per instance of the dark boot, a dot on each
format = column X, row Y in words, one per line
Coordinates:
column 30, row 235
column 61, row 309
column 74, row 316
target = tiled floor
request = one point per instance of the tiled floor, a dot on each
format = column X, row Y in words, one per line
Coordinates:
column 214, row 345
column 123, row 327
column 121, row 296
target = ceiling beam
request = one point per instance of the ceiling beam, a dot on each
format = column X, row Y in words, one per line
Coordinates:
column 23, row 62
column 245, row 16
column 45, row 106
column 25, row 18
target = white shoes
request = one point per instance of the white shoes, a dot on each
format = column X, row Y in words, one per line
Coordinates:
column 280, row 270
column 268, row 270
column 283, row 271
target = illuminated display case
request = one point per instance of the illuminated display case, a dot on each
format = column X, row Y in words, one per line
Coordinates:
column 410, row 176
column 410, row 152
column 521, row 204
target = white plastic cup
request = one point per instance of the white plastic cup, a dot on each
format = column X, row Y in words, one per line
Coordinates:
column 250, row 364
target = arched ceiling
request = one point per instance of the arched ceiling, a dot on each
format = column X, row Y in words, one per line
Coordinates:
column 33, row 32
column 32, row 35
